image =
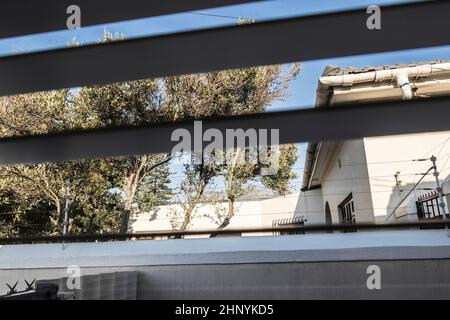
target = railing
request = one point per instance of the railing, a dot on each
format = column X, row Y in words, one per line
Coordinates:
column 33, row 291
column 179, row 234
column 428, row 207
column 288, row 222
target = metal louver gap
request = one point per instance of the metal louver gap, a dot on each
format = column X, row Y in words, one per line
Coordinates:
column 22, row 17
column 272, row 42
column 295, row 126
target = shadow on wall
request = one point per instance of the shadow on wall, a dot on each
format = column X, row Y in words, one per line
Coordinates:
column 310, row 203
column 408, row 208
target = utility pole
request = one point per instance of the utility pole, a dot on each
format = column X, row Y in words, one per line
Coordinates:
column 398, row 183
column 66, row 208
column 439, row 189
column 407, row 194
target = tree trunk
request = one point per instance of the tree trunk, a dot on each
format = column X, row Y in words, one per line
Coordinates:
column 131, row 185
column 130, row 191
column 58, row 211
column 230, row 194
column 226, row 221
column 187, row 217
column 56, row 221
column 229, row 215
column 191, row 207
column 188, row 213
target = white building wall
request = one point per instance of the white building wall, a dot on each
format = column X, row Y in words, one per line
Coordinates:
column 248, row 214
column 278, row 208
column 310, row 206
column 348, row 174
column 389, row 154
column 446, row 189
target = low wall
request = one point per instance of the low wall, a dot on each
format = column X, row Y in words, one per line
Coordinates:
column 413, row 265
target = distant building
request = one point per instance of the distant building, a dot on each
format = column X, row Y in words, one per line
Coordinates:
column 354, row 180
column 260, row 213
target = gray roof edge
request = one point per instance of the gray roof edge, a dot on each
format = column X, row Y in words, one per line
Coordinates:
column 336, row 71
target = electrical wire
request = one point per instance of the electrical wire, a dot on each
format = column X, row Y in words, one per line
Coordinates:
column 220, row 16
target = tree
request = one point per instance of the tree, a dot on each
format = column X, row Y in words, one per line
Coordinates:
column 31, row 188
column 131, row 103
column 124, row 104
column 106, row 192
column 238, row 173
column 198, row 176
column 231, row 92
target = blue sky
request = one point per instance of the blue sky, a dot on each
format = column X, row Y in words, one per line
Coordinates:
column 301, row 93
column 264, row 10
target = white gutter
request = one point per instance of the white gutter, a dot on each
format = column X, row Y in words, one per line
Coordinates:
column 403, row 83
column 314, row 165
column 401, row 76
column 424, row 88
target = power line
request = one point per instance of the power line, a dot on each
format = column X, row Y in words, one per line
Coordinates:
column 427, row 153
column 442, row 170
column 223, row 16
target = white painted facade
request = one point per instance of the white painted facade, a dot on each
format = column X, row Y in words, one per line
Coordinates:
column 310, row 205
column 396, row 149
column 248, row 214
column 365, row 168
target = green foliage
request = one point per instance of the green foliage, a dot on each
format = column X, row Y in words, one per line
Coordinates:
column 279, row 182
column 105, row 193
column 231, row 92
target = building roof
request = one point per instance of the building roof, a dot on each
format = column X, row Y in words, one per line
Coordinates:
column 338, row 71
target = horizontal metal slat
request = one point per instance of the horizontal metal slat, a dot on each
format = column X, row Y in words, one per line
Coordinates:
column 273, row 42
column 174, row 234
column 335, row 123
column 22, row 17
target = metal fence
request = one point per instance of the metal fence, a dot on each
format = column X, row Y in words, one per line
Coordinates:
column 428, row 207
column 33, row 291
column 289, row 222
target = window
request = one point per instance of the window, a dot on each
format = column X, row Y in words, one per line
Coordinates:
column 347, row 213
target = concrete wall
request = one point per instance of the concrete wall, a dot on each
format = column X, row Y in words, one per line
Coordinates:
column 348, row 174
column 419, row 279
column 387, row 155
column 413, row 265
column 310, row 206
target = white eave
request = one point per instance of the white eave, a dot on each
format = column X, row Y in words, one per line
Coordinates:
column 388, row 84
